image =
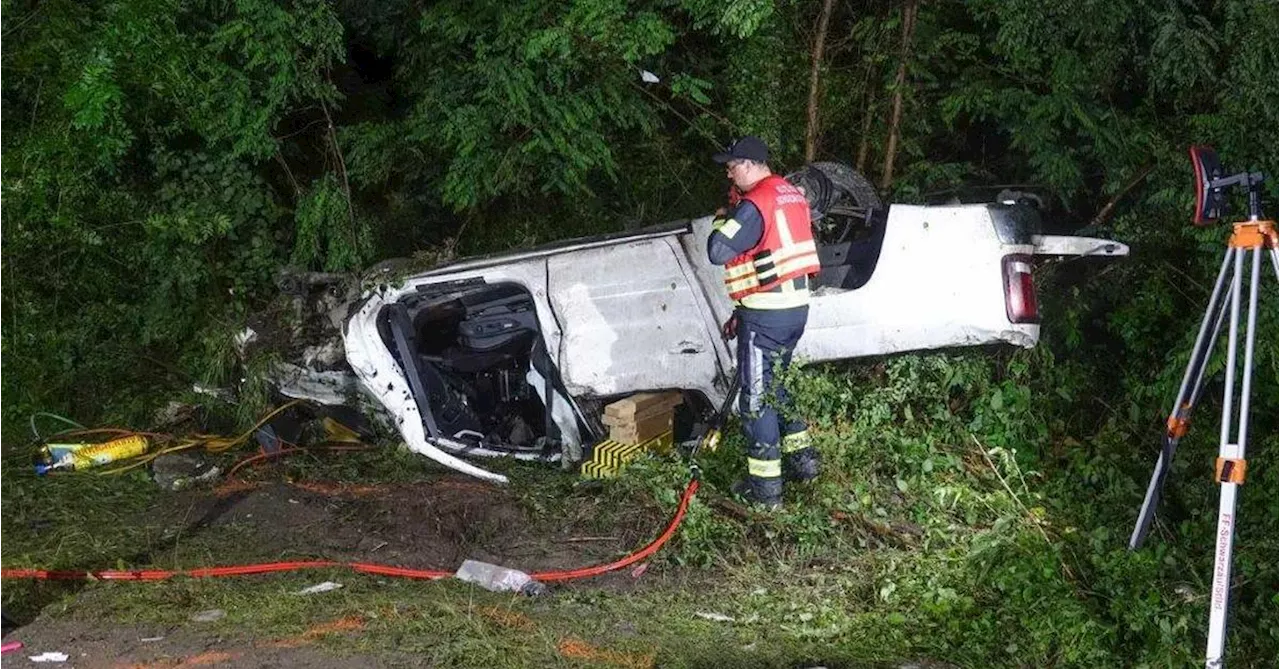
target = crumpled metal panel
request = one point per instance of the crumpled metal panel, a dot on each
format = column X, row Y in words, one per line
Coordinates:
column 324, row 387
column 631, row 319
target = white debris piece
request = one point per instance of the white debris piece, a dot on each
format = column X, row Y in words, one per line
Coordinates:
column 244, row 338
column 714, row 617
column 216, row 393
column 208, row 616
column 648, row 77
column 498, row 579
column 49, row 657
column 318, row 588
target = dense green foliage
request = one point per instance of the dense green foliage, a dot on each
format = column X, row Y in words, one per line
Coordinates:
column 164, row 159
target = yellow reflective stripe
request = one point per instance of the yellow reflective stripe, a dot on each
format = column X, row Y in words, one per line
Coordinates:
column 741, row 284
column 784, row 230
column 735, row 271
column 795, row 264
column 787, row 253
column 769, row 300
column 769, row 469
column 729, row 228
column 796, row 442
column 787, row 267
column 793, row 249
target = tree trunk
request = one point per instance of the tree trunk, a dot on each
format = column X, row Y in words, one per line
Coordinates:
column 815, row 70
column 869, row 103
column 890, row 152
column 864, row 145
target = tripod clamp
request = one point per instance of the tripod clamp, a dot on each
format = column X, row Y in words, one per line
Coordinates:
column 1251, row 181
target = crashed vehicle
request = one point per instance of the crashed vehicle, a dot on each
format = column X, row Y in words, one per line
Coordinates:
column 514, row 354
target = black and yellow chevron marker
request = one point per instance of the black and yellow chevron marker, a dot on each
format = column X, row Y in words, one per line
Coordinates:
column 609, row 457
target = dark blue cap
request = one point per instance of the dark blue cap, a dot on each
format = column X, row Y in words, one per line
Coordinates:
column 747, row 148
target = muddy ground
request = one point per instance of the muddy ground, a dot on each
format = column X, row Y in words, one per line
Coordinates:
column 433, row 524
column 430, row 524
column 124, row 646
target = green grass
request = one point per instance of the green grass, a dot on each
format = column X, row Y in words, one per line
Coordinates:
column 953, row 524
column 445, row 622
column 452, row 624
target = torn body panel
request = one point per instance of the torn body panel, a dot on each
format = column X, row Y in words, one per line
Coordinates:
column 632, row 319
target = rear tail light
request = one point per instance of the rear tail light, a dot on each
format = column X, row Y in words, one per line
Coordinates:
column 1019, row 291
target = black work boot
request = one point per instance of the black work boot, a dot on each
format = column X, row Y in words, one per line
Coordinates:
column 802, row 465
column 756, row 490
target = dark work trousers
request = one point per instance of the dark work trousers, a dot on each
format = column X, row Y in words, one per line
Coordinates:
column 766, row 341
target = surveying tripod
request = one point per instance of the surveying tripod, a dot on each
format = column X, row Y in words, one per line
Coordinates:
column 1249, row 238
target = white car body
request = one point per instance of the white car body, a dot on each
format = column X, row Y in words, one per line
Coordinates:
column 643, row 311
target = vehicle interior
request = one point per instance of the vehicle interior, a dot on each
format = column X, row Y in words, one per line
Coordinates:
column 476, row 364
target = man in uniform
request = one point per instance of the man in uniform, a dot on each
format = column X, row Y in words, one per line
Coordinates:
column 767, row 249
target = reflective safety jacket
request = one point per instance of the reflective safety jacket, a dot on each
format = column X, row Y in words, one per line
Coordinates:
column 786, row 250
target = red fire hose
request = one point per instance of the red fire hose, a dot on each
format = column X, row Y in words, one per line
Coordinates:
column 361, row 567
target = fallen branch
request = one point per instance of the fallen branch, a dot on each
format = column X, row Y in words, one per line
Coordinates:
column 1105, row 213
column 1030, row 517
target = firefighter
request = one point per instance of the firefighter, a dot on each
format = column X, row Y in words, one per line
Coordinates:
column 769, row 256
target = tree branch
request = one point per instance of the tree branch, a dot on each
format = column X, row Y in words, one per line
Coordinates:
column 868, row 111
column 342, row 171
column 1105, row 213
column 297, row 190
column 35, row 106
column 689, row 122
column 21, row 22
column 342, row 163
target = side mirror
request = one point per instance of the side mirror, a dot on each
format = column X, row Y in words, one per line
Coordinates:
column 1211, row 202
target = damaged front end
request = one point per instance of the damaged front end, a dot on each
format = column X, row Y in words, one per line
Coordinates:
column 463, row 370
column 298, row 338
column 457, row 368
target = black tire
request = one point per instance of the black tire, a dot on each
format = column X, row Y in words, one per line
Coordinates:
column 841, row 200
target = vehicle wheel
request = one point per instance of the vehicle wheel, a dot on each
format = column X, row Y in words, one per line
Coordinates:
column 840, row 200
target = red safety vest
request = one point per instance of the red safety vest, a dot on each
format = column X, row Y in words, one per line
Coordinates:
column 785, row 251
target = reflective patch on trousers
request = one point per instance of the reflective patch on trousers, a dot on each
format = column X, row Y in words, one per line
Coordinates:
column 764, row 468
column 796, row 442
column 755, row 374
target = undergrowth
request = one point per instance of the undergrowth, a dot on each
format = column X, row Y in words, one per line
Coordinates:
column 974, row 509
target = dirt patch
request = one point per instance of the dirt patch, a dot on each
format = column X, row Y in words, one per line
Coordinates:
column 429, row 524
column 113, row 646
